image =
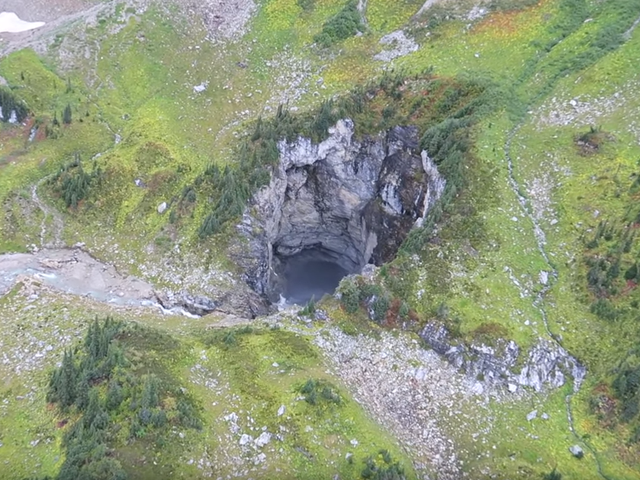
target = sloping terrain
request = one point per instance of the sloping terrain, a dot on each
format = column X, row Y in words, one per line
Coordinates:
column 499, row 339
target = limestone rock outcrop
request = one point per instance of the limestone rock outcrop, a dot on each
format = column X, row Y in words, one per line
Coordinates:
column 545, row 365
column 348, row 201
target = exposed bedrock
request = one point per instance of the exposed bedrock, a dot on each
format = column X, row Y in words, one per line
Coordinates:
column 343, row 201
column 545, row 365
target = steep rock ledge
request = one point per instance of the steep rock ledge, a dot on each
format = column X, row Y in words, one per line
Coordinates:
column 344, row 201
column 546, row 364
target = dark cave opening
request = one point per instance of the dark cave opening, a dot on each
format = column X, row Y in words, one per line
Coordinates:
column 311, row 274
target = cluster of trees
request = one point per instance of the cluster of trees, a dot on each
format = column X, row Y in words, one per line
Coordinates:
column 138, row 401
column 611, row 257
column 53, row 130
column 319, row 392
column 70, row 384
column 73, row 384
column 73, row 184
column 226, row 338
column 609, row 271
column 626, row 386
column 376, row 300
column 382, row 467
column 11, row 106
column 346, row 23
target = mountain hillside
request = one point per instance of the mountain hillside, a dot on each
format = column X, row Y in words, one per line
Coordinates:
column 316, row 239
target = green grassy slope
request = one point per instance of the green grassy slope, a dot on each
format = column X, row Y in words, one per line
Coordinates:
column 486, row 267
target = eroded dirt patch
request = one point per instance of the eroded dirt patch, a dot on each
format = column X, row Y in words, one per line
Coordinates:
column 73, row 271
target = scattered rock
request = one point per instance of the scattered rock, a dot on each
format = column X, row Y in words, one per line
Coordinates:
column 321, row 315
column 245, row 439
column 402, row 45
column 576, row 451
column 262, row 440
column 532, row 415
column 162, row 207
column 544, row 365
column 200, row 88
column 281, row 410
column 194, row 304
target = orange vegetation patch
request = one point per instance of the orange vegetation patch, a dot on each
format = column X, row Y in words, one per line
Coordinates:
column 505, row 23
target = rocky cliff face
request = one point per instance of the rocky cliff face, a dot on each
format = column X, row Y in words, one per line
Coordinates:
column 343, row 200
column 547, row 364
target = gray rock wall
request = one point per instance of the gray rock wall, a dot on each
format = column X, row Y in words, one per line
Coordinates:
column 352, row 201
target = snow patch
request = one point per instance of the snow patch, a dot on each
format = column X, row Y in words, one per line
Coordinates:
column 11, row 23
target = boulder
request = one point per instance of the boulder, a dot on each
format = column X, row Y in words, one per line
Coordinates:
column 576, row 451
column 262, row 440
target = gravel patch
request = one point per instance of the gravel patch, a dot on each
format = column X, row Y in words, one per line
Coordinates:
column 402, row 45
column 586, row 110
column 411, row 391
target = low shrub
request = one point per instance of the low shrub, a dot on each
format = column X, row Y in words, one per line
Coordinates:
column 346, row 23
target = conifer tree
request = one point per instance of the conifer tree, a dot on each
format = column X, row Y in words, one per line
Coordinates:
column 150, row 394
column 82, row 393
column 66, row 385
column 66, row 115
column 95, row 416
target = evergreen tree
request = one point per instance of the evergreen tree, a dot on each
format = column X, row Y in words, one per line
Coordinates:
column 114, row 396
column 150, row 393
column 95, row 416
column 82, row 393
column 66, row 115
column 553, row 475
column 65, row 387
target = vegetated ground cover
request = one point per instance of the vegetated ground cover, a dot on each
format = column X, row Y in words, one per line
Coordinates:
column 507, row 248
column 588, row 190
column 486, row 267
column 552, row 162
column 212, row 387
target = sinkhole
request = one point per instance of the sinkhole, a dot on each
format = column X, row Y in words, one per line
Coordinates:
column 332, row 208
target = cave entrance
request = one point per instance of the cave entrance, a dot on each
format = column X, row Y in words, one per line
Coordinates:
column 311, row 274
column 332, row 208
